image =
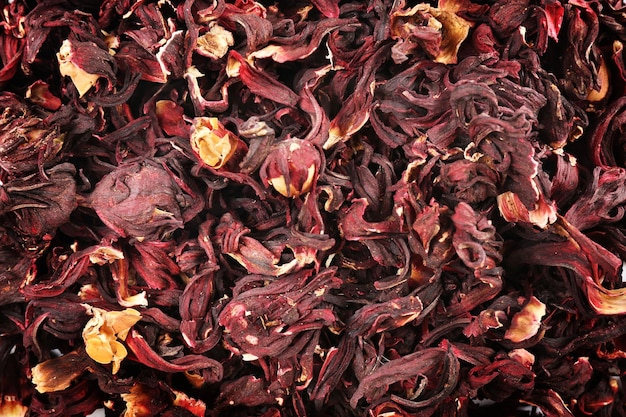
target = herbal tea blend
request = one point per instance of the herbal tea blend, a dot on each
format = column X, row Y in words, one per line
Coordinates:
column 373, row 208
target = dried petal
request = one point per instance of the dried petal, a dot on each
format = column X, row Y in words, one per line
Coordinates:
column 512, row 210
column 438, row 31
column 39, row 93
column 215, row 42
column 58, row 373
column 143, row 401
column 170, row 117
column 213, row 144
column 102, row 331
column 523, row 356
column 527, row 322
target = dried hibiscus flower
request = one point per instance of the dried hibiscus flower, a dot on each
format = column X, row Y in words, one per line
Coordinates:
column 127, row 202
column 291, row 167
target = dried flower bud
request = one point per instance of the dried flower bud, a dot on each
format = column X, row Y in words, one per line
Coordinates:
column 36, row 208
column 127, row 201
column 85, row 63
column 292, row 167
column 210, row 140
column 102, row 332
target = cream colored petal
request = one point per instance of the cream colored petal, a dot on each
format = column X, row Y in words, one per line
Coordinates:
column 119, row 353
column 82, row 80
column 122, row 321
column 527, row 322
column 99, row 349
column 215, row 43
column 212, row 142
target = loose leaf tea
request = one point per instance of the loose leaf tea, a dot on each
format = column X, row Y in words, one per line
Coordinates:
column 302, row 208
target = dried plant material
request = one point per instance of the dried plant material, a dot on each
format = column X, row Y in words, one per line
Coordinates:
column 26, row 140
column 142, row 400
column 526, row 323
column 103, row 332
column 127, row 202
column 512, row 209
column 39, row 93
column 291, row 167
column 68, row 67
column 603, row 300
column 171, row 118
column 215, row 42
column 603, row 79
column 194, row 406
column 213, row 144
column 287, row 209
column 105, row 254
column 11, row 407
column 523, row 356
column 438, row 32
column 58, row 374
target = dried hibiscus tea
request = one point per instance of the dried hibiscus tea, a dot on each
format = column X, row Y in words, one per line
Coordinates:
column 343, row 208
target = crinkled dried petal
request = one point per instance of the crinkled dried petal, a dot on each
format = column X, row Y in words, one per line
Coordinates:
column 213, row 144
column 215, row 42
column 143, row 401
column 603, row 300
column 438, row 31
column 170, row 116
column 102, row 331
column 523, row 356
column 526, row 323
column 39, row 93
column 512, row 210
column 102, row 255
column 193, row 405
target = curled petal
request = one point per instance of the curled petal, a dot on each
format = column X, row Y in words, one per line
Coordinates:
column 527, row 322
column 512, row 210
column 102, row 331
